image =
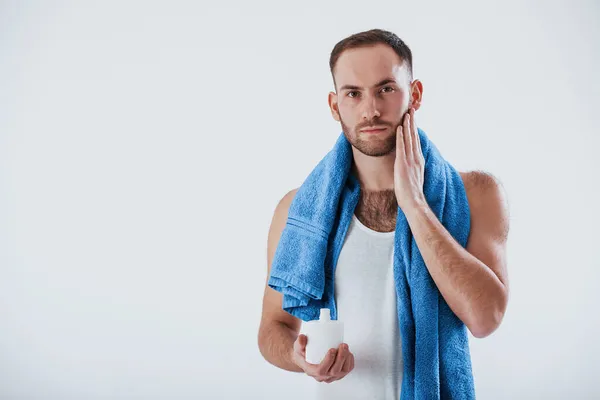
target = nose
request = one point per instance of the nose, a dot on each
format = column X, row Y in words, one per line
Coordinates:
column 370, row 109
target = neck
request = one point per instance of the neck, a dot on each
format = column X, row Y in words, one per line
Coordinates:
column 374, row 173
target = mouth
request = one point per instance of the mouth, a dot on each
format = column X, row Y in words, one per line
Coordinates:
column 373, row 130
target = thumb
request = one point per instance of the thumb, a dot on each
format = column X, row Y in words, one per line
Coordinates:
column 302, row 340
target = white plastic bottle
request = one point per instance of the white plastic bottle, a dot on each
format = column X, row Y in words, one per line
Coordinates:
column 322, row 334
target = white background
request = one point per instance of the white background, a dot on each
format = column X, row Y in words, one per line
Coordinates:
column 145, row 145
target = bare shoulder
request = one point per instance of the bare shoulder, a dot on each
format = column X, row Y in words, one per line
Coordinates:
column 281, row 210
column 286, row 200
column 478, row 181
column 279, row 221
column 488, row 202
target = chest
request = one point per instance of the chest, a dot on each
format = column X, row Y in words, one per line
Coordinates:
column 377, row 210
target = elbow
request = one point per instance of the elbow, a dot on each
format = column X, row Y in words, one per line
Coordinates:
column 261, row 343
column 483, row 330
column 489, row 318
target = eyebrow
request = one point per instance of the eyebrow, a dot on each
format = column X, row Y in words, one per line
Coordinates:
column 383, row 82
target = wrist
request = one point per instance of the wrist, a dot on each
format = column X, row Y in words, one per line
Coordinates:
column 416, row 206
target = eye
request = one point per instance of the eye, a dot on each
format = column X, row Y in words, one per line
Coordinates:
column 350, row 93
column 388, row 87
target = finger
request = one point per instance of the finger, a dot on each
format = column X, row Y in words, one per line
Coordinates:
column 336, row 368
column 351, row 362
column 300, row 345
column 416, row 139
column 419, row 148
column 408, row 136
column 302, row 342
column 400, row 141
column 321, row 369
column 347, row 363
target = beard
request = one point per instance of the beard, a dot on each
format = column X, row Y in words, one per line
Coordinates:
column 374, row 145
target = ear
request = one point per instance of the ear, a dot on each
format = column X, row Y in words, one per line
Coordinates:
column 333, row 106
column 416, row 93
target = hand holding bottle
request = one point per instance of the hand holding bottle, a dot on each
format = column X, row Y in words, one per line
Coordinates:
column 337, row 363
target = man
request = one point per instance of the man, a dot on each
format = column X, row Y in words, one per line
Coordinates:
column 375, row 100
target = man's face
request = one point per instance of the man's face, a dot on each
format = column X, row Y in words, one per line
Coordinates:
column 373, row 91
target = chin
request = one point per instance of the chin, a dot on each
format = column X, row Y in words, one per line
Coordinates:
column 375, row 151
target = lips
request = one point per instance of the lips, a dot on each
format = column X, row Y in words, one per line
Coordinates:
column 371, row 130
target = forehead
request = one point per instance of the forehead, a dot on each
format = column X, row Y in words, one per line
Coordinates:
column 365, row 66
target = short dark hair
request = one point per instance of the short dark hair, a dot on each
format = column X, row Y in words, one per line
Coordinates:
column 370, row 38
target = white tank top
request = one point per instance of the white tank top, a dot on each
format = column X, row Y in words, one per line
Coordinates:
column 365, row 297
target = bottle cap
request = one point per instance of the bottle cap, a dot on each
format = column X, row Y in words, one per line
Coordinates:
column 325, row 314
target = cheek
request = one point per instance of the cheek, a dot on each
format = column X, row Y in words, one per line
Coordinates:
column 397, row 101
column 347, row 110
column 394, row 106
column 347, row 105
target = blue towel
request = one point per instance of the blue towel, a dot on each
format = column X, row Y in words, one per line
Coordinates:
column 435, row 346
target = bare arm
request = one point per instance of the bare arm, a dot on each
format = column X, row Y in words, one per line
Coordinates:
column 278, row 337
column 276, row 343
column 473, row 281
column 278, row 329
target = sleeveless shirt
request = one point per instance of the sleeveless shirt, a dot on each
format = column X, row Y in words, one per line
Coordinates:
column 365, row 297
